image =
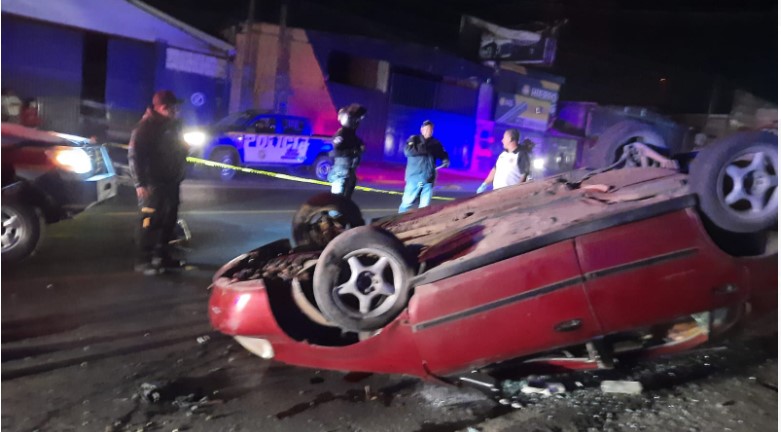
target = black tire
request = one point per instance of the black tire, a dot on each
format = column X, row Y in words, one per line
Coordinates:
column 607, row 148
column 322, row 167
column 373, row 297
column 21, row 231
column 322, row 218
column 228, row 156
column 712, row 178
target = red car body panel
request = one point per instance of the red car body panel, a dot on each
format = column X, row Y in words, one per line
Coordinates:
column 243, row 308
column 637, row 277
column 501, row 311
column 528, row 270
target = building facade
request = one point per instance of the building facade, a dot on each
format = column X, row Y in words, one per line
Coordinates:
column 94, row 64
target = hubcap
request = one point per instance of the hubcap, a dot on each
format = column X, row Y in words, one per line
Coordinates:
column 636, row 158
column 227, row 172
column 371, row 287
column 749, row 184
column 323, row 169
column 13, row 230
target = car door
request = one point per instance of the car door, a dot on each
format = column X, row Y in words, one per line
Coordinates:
column 518, row 306
column 258, row 140
column 655, row 270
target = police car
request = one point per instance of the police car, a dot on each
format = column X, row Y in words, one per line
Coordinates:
column 253, row 138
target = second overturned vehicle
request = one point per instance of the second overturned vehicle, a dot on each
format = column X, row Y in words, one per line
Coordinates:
column 570, row 272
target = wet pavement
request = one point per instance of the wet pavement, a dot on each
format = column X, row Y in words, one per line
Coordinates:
column 89, row 345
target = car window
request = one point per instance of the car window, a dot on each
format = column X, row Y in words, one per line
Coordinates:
column 292, row 126
column 264, row 125
column 235, row 120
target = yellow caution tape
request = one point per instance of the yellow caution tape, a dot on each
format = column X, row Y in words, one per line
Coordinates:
column 214, row 164
column 209, row 163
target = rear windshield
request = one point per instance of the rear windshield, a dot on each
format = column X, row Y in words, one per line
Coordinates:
column 235, row 120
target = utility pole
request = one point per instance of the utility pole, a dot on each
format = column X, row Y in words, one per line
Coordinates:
column 249, row 72
column 282, row 82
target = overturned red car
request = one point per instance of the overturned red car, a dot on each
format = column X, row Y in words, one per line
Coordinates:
column 569, row 272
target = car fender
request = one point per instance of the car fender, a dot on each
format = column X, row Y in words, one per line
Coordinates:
column 26, row 192
column 317, row 147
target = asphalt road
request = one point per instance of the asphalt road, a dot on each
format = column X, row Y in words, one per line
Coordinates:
column 89, row 345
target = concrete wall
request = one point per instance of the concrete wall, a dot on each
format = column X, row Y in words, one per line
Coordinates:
column 255, row 82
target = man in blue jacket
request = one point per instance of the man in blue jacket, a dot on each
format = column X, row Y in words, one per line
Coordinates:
column 422, row 152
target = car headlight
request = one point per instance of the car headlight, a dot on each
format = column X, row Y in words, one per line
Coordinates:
column 538, row 163
column 194, row 138
column 71, row 159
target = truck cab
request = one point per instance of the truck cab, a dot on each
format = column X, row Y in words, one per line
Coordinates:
column 252, row 138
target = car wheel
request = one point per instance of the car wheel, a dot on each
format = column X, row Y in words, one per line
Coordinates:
column 361, row 280
column 22, row 227
column 610, row 145
column 736, row 181
column 225, row 156
column 323, row 217
column 322, row 167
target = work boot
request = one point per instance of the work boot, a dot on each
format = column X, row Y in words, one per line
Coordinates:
column 148, row 268
column 168, row 263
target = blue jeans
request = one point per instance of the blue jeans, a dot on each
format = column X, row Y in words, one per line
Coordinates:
column 412, row 191
column 342, row 177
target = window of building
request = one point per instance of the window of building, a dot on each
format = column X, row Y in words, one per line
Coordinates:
column 344, row 68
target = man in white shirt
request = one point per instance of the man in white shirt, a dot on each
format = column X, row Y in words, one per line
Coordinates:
column 513, row 165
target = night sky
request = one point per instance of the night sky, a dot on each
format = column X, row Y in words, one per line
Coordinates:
column 611, row 52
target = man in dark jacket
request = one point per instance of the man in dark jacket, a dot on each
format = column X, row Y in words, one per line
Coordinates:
column 158, row 157
column 347, row 152
column 422, row 152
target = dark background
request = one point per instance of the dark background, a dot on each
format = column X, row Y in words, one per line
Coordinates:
column 674, row 55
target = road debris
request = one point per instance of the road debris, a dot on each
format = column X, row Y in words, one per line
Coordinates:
column 544, row 389
column 625, row 387
column 444, row 396
column 150, row 392
column 203, row 339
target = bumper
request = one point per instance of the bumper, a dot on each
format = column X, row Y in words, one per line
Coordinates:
column 245, row 310
column 84, row 194
column 63, row 194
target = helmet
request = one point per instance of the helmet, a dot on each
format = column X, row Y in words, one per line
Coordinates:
column 350, row 116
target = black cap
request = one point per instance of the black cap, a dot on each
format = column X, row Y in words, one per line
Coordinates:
column 165, row 97
column 427, row 123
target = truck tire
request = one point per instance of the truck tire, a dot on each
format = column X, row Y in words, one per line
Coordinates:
column 322, row 167
column 362, row 279
column 609, row 145
column 736, row 182
column 22, row 229
column 228, row 156
column 322, row 218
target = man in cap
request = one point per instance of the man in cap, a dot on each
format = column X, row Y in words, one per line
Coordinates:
column 347, row 151
column 513, row 165
column 158, row 157
column 422, row 152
